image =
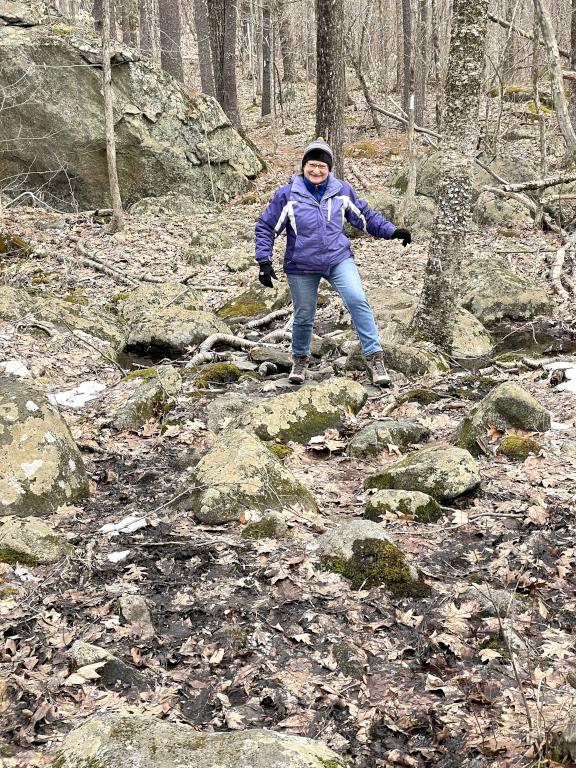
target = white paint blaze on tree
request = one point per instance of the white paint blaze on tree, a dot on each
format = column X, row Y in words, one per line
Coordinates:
column 435, row 316
column 330, row 82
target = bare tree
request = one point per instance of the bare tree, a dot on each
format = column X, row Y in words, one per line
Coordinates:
column 287, row 44
column 435, row 315
column 266, row 63
column 222, row 18
column 421, row 62
column 171, row 38
column 572, row 83
column 117, row 223
column 130, row 23
column 204, row 50
column 330, row 78
column 407, row 71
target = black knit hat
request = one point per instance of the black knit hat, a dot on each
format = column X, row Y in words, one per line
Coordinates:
column 318, row 150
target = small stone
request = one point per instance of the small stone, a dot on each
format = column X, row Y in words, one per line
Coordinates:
column 377, row 436
column 115, row 673
column 271, row 526
column 29, row 541
column 135, row 611
column 411, row 504
column 493, row 602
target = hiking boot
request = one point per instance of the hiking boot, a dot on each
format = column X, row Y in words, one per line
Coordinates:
column 299, row 368
column 377, row 370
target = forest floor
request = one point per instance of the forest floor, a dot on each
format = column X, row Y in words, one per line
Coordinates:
column 383, row 681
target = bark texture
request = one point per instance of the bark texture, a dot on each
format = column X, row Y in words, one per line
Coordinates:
column 222, row 18
column 171, row 38
column 330, row 78
column 117, row 223
column 287, row 47
column 266, row 63
column 435, row 316
column 204, row 50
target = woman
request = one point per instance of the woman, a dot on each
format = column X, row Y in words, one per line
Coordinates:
column 312, row 209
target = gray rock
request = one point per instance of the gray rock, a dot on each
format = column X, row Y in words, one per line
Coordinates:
column 29, row 541
column 237, row 474
column 442, row 471
column 521, row 132
column 493, row 602
column 224, row 410
column 397, row 357
column 256, row 300
column 40, row 464
column 270, row 526
column 141, row 396
column 492, row 291
column 114, row 673
column 20, row 14
column 507, row 405
column 118, row 740
column 279, row 357
column 167, row 141
column 240, row 262
column 339, row 541
column 419, row 216
column 412, row 504
column 497, row 211
column 135, row 611
column 173, row 203
column 307, row 412
column 375, row 437
column 566, row 740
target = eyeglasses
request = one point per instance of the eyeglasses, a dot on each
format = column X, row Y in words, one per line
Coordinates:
column 317, row 166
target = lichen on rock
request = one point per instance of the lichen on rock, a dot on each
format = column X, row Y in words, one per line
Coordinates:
column 29, row 541
column 377, row 436
column 411, row 504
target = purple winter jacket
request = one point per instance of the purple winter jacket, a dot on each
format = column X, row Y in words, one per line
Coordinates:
column 315, row 239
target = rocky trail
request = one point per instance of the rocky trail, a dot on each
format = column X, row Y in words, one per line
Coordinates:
column 387, row 573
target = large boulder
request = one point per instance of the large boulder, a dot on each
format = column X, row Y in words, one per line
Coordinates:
column 256, row 300
column 492, row 292
column 442, row 471
column 238, row 474
column 120, row 740
column 300, row 415
column 99, row 327
column 506, row 406
column 497, row 211
column 166, row 140
column 29, row 541
column 168, row 318
column 393, row 312
column 40, row 464
column 140, row 396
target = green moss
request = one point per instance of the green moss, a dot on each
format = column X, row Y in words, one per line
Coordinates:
column 61, row 29
column 279, row 450
column 12, row 557
column 311, row 423
column 267, row 528
column 377, row 563
column 40, row 279
column 248, row 199
column 428, row 513
column 120, row 296
column 362, row 149
column 348, row 664
column 142, row 373
column 7, row 592
column 422, row 396
column 331, row 763
column 544, row 109
column 58, row 762
column 77, row 297
column 218, row 373
column 508, row 233
column 518, row 448
column 243, row 306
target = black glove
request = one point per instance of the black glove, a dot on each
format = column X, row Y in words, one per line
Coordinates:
column 266, row 274
column 402, row 234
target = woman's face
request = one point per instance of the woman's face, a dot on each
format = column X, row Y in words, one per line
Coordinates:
column 316, row 172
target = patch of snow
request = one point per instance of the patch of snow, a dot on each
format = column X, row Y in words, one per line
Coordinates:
column 31, row 406
column 15, row 368
column 117, row 557
column 127, row 525
column 79, row 396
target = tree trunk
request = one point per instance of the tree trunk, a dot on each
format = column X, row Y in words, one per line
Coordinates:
column 560, row 104
column 204, row 50
column 230, row 94
column 97, row 14
column 436, row 312
column 406, row 53
column 572, row 83
column 287, row 45
column 330, row 78
column 146, row 46
column 266, row 64
column 130, row 23
column 171, row 38
column 438, row 84
column 117, row 223
column 421, row 63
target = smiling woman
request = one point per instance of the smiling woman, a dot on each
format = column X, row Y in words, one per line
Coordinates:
column 312, row 209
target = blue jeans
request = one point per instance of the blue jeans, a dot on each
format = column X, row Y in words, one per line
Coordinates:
column 344, row 278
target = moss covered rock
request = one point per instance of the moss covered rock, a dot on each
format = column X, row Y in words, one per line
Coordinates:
column 106, row 332
column 257, row 300
column 497, row 211
column 492, row 292
column 223, row 410
column 442, row 471
column 375, row 437
column 300, row 415
column 413, row 504
column 150, row 297
column 362, row 552
column 40, row 464
column 270, row 526
column 237, row 474
column 507, row 405
column 141, row 396
column 118, row 740
column 518, row 448
column 30, row 541
column 217, row 373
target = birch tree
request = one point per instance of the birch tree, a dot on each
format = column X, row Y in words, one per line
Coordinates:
column 117, row 223
column 330, row 77
column 435, row 315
